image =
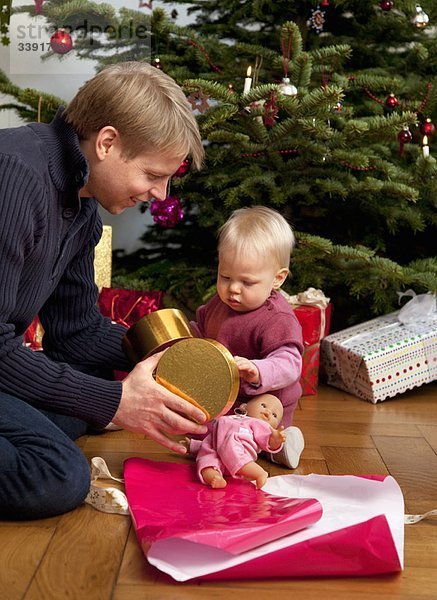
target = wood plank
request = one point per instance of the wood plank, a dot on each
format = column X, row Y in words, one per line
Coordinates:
column 21, row 551
column 366, row 427
column 83, row 558
column 135, row 569
column 306, row 467
column 354, row 461
column 414, row 465
column 421, row 545
column 429, row 432
column 389, row 587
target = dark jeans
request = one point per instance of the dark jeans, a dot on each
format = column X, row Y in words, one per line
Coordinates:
column 42, row 471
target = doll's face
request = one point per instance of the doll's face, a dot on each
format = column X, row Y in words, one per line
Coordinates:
column 265, row 407
column 245, row 282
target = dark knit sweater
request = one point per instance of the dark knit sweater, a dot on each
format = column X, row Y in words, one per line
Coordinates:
column 47, row 240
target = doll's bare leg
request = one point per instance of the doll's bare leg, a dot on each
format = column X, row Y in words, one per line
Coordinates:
column 213, row 478
column 254, row 472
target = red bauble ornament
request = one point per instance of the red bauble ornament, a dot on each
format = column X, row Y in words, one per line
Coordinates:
column 392, row 101
column 427, row 128
column 404, row 137
column 386, row 5
column 61, row 42
column 184, row 167
column 324, row 3
column 168, row 212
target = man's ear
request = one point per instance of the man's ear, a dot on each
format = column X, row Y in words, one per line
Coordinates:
column 280, row 277
column 106, row 139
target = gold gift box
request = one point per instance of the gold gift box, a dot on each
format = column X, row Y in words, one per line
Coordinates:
column 103, row 259
column 201, row 371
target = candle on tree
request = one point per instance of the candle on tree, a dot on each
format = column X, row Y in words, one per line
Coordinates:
column 248, row 80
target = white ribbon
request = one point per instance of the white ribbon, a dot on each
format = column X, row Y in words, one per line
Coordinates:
column 104, row 498
column 311, row 297
column 420, row 307
column 411, row 519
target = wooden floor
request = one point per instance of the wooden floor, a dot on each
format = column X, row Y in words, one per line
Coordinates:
column 91, row 555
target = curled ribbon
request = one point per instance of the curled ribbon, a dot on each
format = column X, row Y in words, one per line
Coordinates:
column 311, row 297
column 151, row 306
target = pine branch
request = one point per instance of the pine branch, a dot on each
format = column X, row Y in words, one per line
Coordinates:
column 211, row 88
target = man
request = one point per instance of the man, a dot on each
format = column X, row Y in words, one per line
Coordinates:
column 117, row 144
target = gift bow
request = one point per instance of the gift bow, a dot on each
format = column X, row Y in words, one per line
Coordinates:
column 311, row 297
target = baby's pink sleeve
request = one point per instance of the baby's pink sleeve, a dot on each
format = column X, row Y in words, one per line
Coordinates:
column 261, row 434
column 280, row 368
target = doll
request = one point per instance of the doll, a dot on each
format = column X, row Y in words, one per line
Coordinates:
column 234, row 441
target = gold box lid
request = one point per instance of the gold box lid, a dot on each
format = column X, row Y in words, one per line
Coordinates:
column 201, row 371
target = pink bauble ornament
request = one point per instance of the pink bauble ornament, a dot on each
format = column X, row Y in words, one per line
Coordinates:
column 168, row 212
column 61, row 42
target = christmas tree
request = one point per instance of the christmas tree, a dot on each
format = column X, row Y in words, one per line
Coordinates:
column 333, row 127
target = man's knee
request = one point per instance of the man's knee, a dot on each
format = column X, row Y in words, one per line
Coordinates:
column 46, row 489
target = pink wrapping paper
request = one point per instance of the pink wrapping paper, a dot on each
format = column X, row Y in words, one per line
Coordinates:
column 236, row 518
column 296, row 526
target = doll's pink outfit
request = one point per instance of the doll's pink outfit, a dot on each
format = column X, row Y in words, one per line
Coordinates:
column 233, row 441
column 270, row 336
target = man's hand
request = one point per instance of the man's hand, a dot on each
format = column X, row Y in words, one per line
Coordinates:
column 247, row 370
column 149, row 408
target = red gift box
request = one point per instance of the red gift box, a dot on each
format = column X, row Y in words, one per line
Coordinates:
column 313, row 312
column 33, row 335
column 128, row 306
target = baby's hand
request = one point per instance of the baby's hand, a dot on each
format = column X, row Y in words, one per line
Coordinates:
column 247, row 370
column 277, row 438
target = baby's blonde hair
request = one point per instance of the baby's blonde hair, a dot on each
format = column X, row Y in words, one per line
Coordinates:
column 146, row 106
column 260, row 230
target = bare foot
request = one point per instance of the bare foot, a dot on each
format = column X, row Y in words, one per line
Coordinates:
column 261, row 479
column 213, row 478
column 218, row 482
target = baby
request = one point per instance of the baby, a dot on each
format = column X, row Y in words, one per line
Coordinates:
column 251, row 318
column 234, row 441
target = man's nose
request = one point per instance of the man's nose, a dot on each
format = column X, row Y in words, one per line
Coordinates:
column 159, row 190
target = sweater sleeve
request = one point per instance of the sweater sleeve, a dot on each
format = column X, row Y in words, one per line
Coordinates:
column 198, row 325
column 76, row 331
column 32, row 376
column 280, row 368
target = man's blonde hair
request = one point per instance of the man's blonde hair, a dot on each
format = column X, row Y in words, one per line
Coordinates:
column 146, row 106
column 258, row 230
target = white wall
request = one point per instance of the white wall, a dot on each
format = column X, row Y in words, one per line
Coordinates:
column 62, row 76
